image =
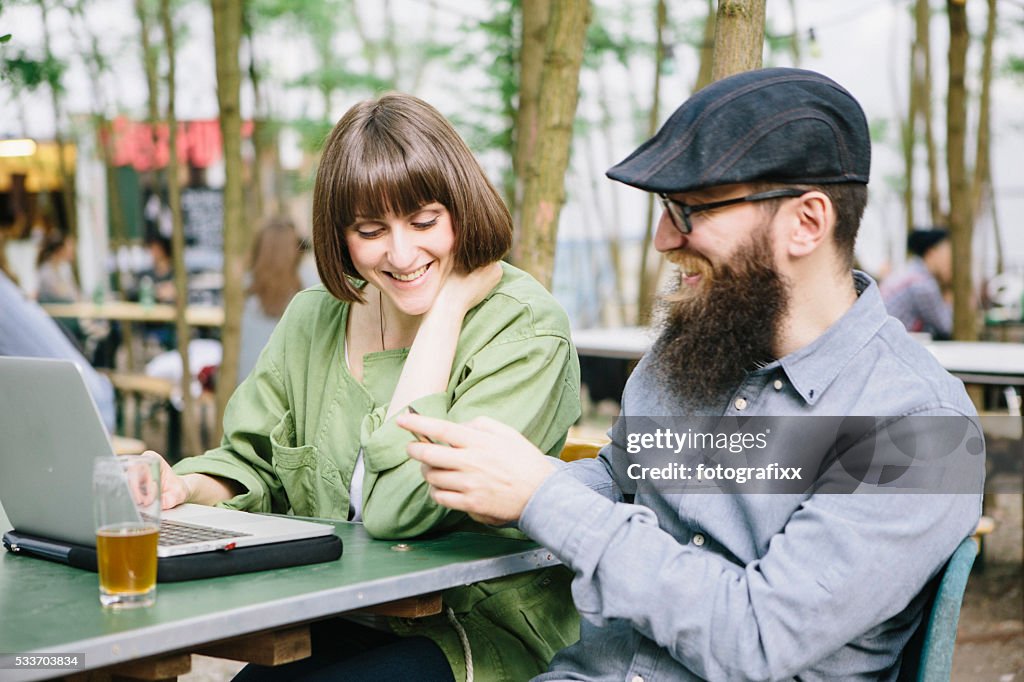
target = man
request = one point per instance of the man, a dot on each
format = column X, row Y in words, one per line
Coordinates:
column 763, row 178
column 913, row 295
column 26, row 330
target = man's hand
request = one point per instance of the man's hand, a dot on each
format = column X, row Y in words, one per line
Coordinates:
column 488, row 470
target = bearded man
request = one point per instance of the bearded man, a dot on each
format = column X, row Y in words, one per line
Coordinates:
column 763, row 180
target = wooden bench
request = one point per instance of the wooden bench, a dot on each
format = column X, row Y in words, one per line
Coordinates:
column 270, row 648
column 140, row 387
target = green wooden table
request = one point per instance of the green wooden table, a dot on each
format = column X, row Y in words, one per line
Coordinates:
column 49, row 607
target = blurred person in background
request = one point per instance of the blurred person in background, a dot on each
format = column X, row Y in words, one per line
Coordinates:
column 914, row 293
column 27, row 331
column 161, row 271
column 57, row 284
column 155, row 284
column 55, row 269
column 274, row 278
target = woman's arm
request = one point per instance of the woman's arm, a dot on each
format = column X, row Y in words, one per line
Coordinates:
column 530, row 384
column 429, row 364
column 194, row 488
column 240, row 473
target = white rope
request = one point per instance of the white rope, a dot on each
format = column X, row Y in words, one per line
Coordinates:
column 466, row 650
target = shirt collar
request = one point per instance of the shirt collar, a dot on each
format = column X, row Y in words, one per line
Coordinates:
column 813, row 368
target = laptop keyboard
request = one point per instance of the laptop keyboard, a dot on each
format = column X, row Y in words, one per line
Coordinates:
column 178, row 533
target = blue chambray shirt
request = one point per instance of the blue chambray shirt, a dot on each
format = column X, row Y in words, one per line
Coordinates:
column 759, row 587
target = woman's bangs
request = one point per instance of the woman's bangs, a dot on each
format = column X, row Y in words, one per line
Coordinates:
column 394, row 184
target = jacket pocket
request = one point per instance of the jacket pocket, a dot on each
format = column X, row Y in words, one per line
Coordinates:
column 538, row 617
column 311, row 482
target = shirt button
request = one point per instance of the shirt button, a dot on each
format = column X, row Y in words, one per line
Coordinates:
column 636, row 678
column 698, row 540
column 740, row 404
column 778, row 384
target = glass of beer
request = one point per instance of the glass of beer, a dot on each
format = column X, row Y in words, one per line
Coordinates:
column 126, row 510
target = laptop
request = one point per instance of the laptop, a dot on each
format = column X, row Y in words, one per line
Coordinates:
column 50, row 432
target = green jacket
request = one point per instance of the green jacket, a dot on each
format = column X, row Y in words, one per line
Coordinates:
column 293, row 430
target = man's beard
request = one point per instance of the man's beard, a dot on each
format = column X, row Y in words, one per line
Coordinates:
column 710, row 339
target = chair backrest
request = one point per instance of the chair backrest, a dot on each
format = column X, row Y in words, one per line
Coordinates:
column 928, row 656
column 581, row 448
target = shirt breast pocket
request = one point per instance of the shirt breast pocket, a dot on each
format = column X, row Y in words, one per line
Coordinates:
column 311, row 481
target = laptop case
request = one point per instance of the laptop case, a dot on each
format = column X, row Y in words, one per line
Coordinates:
column 189, row 566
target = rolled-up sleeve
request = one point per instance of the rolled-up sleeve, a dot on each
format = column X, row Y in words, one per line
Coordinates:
column 530, row 384
column 257, row 411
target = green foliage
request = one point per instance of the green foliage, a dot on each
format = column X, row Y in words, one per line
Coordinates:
column 1011, row 32
column 691, row 31
column 1014, row 66
column 312, row 132
column 896, row 182
column 27, row 74
column 776, row 43
column 879, row 128
column 601, row 42
column 336, row 76
column 489, row 125
column 297, row 183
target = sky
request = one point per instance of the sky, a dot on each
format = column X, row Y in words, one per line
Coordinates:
column 863, row 45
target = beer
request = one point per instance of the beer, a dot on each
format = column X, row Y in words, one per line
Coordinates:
column 127, row 526
column 126, row 558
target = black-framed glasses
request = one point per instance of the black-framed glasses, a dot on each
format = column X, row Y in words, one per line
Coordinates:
column 680, row 213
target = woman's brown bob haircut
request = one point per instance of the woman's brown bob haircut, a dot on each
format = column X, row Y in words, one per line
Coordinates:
column 393, row 155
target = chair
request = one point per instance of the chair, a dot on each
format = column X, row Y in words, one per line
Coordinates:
column 928, row 656
column 581, row 448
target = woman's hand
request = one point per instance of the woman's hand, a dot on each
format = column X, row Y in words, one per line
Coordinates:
column 429, row 363
column 197, row 488
column 173, row 488
column 462, row 292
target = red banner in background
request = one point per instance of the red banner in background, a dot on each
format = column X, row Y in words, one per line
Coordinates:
column 146, row 147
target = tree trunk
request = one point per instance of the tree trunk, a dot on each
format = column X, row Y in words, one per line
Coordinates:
column 114, row 207
column 794, row 43
column 739, row 37
column 227, row 29
column 916, row 95
column 149, row 62
column 67, row 179
column 536, row 14
column 95, row 63
column 959, row 186
column 189, row 426
column 544, row 189
column 649, row 275
column 923, row 20
column 259, row 129
column 608, row 219
column 982, row 166
column 707, row 48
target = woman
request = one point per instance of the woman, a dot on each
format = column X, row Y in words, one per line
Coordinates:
column 57, row 284
column 54, row 267
column 273, row 280
column 415, row 311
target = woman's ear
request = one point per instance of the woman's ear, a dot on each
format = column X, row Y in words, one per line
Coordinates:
column 814, row 221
